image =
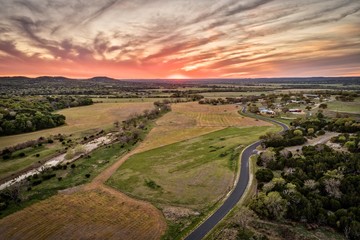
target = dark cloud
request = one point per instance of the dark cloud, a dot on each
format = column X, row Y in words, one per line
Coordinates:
column 9, row 48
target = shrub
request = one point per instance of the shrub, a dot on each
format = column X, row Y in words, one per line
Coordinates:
column 22, row 154
column 151, row 184
column 37, row 155
column 36, row 182
column 73, row 166
column 298, row 132
column 321, row 132
column 59, row 179
column 48, row 176
column 87, row 175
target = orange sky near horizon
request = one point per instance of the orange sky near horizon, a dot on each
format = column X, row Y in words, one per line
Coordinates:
column 180, row 39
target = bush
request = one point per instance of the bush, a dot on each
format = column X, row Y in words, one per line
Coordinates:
column 321, row 132
column 87, row 175
column 22, row 154
column 151, row 184
column 73, row 166
column 36, row 182
column 59, row 179
column 48, row 176
column 37, row 155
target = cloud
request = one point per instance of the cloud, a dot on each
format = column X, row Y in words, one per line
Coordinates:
column 99, row 12
column 204, row 38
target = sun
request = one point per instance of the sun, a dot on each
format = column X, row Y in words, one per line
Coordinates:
column 177, row 76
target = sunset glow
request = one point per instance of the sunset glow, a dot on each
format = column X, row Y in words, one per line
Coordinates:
column 180, row 39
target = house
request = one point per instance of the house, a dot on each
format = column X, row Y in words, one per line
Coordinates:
column 266, row 111
column 311, row 96
column 295, row 110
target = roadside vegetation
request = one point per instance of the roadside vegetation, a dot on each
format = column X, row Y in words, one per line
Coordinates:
column 306, row 194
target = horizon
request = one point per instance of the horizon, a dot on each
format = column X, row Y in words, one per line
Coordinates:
column 170, row 79
column 180, row 40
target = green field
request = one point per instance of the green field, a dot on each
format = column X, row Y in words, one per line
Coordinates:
column 126, row 100
column 194, row 173
column 229, row 94
column 344, row 107
column 79, row 119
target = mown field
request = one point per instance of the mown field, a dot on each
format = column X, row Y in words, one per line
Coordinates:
column 92, row 214
column 81, row 119
column 230, row 94
column 344, row 107
column 193, row 173
column 126, row 100
column 189, row 120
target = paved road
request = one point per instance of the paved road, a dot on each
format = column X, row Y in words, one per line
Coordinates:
column 235, row 195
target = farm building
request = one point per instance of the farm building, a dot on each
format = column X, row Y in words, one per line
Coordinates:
column 295, row 110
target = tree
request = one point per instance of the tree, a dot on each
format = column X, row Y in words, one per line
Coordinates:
column 266, row 156
column 271, row 206
column 323, row 105
column 332, row 187
column 298, row 132
column 310, row 131
column 264, row 175
column 308, row 108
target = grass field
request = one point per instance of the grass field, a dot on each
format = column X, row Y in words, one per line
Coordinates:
column 193, row 173
column 126, row 100
column 229, row 94
column 92, row 214
column 80, row 119
column 189, row 120
column 344, row 107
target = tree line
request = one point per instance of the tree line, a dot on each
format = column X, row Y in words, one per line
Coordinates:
column 28, row 114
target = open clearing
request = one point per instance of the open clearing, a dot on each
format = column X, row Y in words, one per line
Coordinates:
column 193, row 173
column 92, row 214
column 189, row 120
column 79, row 119
column 344, row 107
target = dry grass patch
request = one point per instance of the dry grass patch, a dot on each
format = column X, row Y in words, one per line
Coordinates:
column 189, row 120
column 91, row 214
column 80, row 119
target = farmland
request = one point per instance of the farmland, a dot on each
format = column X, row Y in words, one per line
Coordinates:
column 81, row 119
column 189, row 120
column 95, row 214
column 194, row 173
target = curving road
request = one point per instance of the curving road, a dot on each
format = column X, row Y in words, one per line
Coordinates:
column 242, row 182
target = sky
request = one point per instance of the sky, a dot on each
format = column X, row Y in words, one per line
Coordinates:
column 180, row 38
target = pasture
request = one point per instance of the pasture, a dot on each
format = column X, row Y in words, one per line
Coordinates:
column 91, row 214
column 344, row 107
column 189, row 120
column 80, row 119
column 193, row 173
